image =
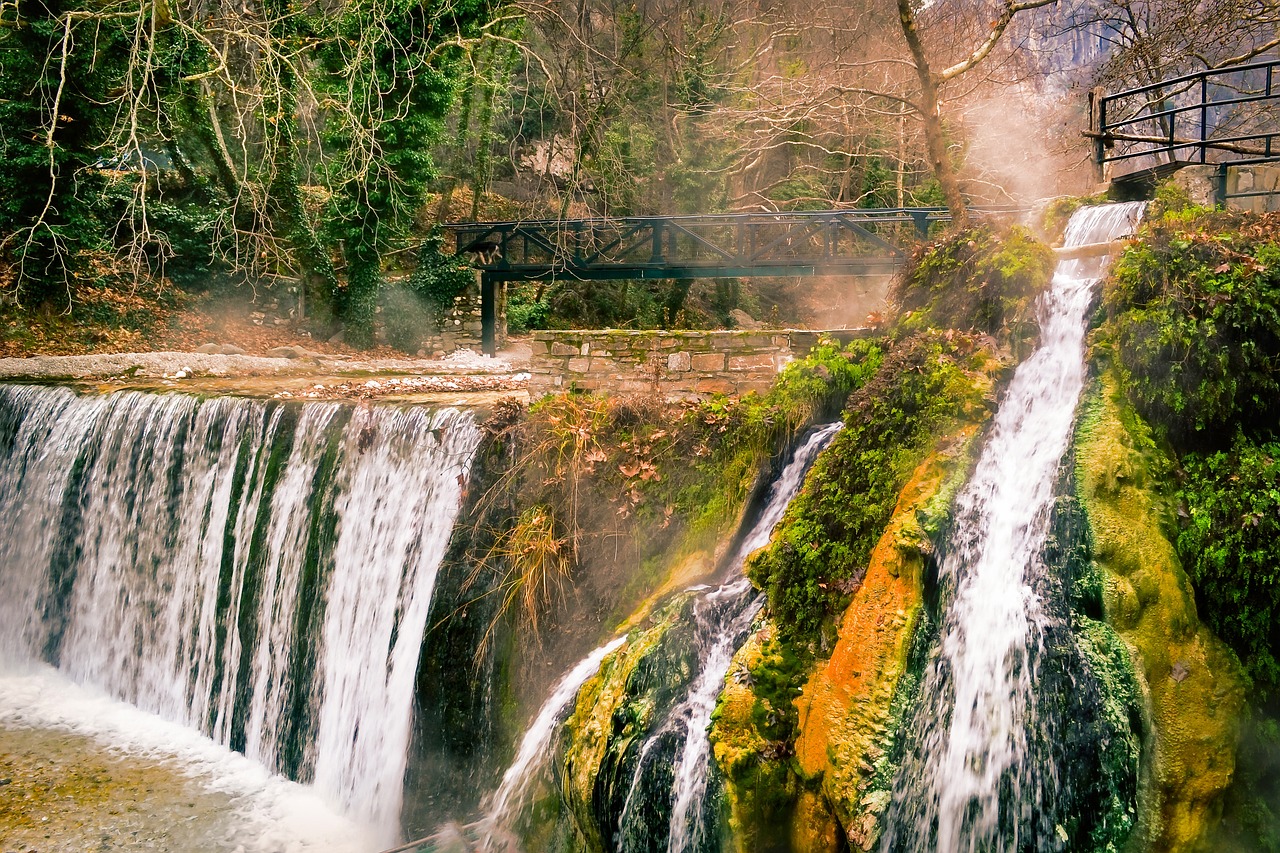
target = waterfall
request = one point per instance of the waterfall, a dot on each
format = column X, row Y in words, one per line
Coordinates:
column 500, row 807
column 974, row 777
column 258, row 572
column 722, row 617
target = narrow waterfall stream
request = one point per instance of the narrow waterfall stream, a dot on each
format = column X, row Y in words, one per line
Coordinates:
column 975, row 777
column 673, row 765
column 260, row 573
column 722, row 616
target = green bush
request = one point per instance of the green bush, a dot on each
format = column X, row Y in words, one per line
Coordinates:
column 438, row 277
column 1193, row 312
column 978, row 279
column 525, row 311
column 1231, row 547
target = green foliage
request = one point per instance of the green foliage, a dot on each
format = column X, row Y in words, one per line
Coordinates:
column 1231, row 548
column 823, row 544
column 526, row 309
column 775, row 681
column 1193, row 315
column 979, row 279
column 1057, row 213
column 439, row 278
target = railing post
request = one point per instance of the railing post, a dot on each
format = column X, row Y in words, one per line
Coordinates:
column 1204, row 118
column 1098, row 124
column 921, row 220
column 656, row 255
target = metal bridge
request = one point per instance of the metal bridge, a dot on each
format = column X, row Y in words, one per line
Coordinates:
column 805, row 243
column 1223, row 117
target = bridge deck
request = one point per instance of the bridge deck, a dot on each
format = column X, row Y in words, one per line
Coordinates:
column 822, row 242
column 802, row 243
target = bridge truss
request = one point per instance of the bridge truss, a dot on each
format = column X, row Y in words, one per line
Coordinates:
column 802, row 243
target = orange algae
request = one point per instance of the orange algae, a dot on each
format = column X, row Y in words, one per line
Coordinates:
column 845, row 716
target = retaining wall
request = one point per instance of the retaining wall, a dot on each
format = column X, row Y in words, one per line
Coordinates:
column 672, row 364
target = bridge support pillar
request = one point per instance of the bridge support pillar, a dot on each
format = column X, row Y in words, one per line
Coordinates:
column 488, row 313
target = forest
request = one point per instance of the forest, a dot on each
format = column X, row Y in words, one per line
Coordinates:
column 153, row 151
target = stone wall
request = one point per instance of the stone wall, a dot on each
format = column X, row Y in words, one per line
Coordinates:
column 1201, row 183
column 672, row 364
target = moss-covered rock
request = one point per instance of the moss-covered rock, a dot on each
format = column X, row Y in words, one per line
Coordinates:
column 614, row 713
column 925, row 385
column 1192, row 682
column 849, row 718
column 982, row 279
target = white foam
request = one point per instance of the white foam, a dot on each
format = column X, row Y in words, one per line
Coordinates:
column 271, row 814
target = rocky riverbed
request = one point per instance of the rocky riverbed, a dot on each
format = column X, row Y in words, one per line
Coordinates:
column 62, row 791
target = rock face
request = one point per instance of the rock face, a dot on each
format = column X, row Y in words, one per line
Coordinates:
column 848, row 725
column 1191, row 682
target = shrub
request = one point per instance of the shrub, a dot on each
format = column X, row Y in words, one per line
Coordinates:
column 1193, row 312
column 824, row 542
column 979, row 279
column 1231, row 547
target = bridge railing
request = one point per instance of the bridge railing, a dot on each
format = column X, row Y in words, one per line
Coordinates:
column 1224, row 115
column 697, row 246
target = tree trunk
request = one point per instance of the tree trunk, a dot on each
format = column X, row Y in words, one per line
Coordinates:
column 364, row 277
column 935, row 139
column 939, row 160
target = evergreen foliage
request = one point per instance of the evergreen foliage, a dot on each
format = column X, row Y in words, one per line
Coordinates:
column 1231, row 548
column 1193, row 312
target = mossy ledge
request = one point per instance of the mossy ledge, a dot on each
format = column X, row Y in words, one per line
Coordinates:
column 805, row 728
column 1192, row 683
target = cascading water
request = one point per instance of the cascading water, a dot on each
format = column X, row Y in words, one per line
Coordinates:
column 973, row 778
column 258, row 572
column 531, row 757
column 722, row 617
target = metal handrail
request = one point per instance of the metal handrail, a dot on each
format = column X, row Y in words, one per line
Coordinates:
column 1166, row 142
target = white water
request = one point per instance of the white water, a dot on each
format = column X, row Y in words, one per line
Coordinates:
column 690, row 784
column 501, row 808
column 268, row 814
column 141, row 552
column 977, row 700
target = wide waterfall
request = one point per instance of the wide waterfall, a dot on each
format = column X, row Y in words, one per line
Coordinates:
column 261, row 573
column 977, row 775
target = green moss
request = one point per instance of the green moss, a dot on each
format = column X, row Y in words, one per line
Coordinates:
column 824, row 541
column 978, row 279
column 1191, row 682
column 613, row 713
column 1057, row 213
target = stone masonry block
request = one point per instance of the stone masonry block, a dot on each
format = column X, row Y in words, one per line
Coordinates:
column 708, row 361
column 753, row 362
column 678, row 361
